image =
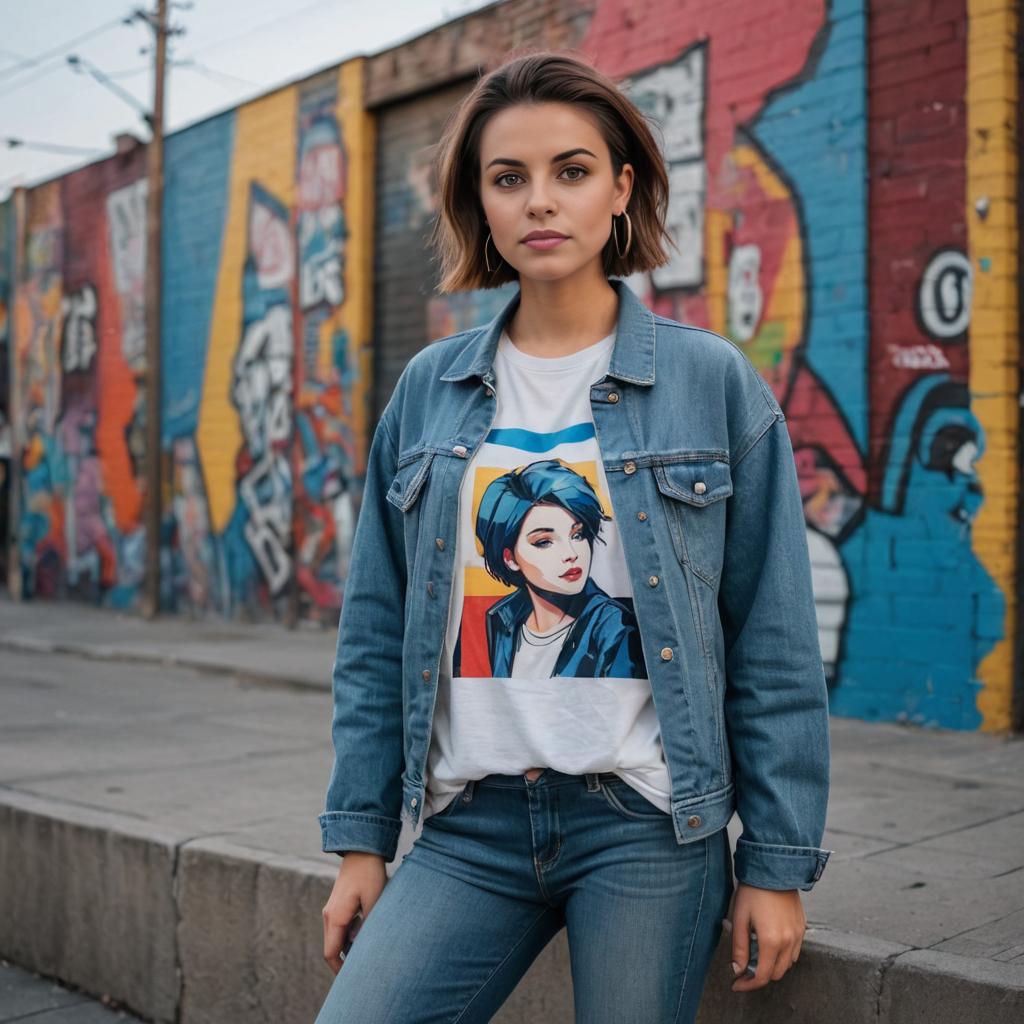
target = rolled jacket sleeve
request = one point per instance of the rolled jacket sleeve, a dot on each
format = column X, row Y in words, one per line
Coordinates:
column 364, row 794
column 776, row 698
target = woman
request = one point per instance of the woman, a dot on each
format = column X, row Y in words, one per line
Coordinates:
column 591, row 800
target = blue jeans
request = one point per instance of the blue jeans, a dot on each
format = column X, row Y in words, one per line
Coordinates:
column 495, row 874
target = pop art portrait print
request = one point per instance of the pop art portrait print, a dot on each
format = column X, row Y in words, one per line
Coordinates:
column 539, row 541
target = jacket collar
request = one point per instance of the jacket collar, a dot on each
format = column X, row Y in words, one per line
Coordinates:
column 632, row 356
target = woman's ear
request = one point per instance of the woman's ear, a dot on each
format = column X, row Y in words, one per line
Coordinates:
column 625, row 186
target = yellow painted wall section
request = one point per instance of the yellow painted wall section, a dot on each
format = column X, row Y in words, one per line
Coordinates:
column 994, row 250
column 264, row 153
column 356, row 313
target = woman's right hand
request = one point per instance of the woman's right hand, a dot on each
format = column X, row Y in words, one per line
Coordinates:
column 361, row 879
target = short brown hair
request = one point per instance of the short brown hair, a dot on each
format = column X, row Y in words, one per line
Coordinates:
column 544, row 77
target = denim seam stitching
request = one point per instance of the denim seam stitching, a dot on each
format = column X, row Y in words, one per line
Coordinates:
column 693, row 933
column 636, row 815
column 519, row 941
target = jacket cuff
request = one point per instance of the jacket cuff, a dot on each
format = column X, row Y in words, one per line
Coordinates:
column 353, row 830
column 771, row 866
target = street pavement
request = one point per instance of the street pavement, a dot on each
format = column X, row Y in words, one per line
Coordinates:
column 27, row 997
column 159, row 787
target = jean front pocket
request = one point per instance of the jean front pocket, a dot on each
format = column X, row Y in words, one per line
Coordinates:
column 694, row 486
column 461, row 799
column 622, row 798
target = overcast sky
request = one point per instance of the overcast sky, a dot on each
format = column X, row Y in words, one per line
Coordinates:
column 231, row 51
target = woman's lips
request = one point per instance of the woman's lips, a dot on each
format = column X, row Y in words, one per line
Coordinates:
column 572, row 575
column 545, row 243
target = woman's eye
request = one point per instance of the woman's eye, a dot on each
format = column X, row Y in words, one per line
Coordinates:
column 512, row 174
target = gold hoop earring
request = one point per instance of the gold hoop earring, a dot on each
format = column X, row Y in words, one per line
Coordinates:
column 487, row 262
column 629, row 235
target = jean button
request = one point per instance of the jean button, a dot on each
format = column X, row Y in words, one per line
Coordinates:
column 693, row 821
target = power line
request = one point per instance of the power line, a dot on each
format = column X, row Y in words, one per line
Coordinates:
column 29, row 62
column 49, row 147
column 290, row 16
column 80, row 63
column 212, row 73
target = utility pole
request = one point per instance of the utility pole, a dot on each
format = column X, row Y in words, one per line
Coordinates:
column 152, row 508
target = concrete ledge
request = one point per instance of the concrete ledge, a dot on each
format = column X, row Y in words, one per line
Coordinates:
column 87, row 897
column 837, row 979
column 208, row 931
column 250, row 934
column 928, row 987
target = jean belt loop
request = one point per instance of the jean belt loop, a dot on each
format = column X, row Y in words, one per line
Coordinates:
column 593, row 785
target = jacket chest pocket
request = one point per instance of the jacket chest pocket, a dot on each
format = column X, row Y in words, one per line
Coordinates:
column 410, row 479
column 693, row 495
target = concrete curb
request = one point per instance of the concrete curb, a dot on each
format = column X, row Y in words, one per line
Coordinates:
column 88, row 897
column 203, row 930
column 105, row 652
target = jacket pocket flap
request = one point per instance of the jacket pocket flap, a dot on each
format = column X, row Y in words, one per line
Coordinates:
column 408, row 481
column 695, row 482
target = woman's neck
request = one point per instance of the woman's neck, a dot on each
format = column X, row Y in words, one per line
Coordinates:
column 557, row 318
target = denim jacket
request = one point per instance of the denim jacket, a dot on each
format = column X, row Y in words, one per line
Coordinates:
column 704, row 489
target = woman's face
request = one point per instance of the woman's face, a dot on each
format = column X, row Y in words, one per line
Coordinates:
column 546, row 167
column 551, row 550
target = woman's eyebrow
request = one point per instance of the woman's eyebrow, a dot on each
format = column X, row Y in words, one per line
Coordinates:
column 558, row 156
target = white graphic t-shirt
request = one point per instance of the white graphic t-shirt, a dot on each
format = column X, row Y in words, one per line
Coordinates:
column 542, row 663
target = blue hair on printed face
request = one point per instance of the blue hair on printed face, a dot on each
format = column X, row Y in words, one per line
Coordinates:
column 509, row 498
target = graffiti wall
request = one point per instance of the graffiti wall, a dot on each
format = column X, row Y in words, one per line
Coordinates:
column 266, row 362
column 843, row 196
column 6, row 266
column 855, row 306
column 78, row 356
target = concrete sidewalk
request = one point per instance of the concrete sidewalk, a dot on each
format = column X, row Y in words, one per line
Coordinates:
column 263, row 652
column 24, row 996
column 159, row 840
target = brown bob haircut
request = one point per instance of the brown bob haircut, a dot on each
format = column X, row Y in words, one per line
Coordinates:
column 547, row 76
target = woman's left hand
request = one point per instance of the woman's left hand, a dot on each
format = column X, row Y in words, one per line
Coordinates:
column 777, row 919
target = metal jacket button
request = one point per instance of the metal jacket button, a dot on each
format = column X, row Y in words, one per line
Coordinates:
column 641, row 516
column 613, row 396
column 693, row 821
column 440, row 543
column 413, row 802
column 700, row 487
column 629, row 467
column 666, row 654
column 426, row 674
column 652, row 580
column 460, row 450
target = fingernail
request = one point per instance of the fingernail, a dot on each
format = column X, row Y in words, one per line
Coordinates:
column 736, row 967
